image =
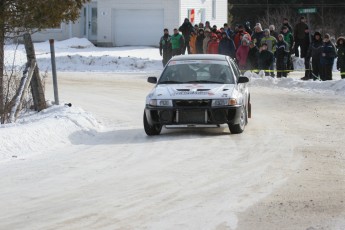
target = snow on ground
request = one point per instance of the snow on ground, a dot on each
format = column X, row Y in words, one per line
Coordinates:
column 39, row 133
column 80, row 55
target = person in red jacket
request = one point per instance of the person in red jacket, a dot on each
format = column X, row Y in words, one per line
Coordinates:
column 242, row 54
column 212, row 47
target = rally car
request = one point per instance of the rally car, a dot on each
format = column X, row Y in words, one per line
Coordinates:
column 198, row 91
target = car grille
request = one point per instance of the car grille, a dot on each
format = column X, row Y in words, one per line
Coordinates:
column 191, row 103
column 192, row 116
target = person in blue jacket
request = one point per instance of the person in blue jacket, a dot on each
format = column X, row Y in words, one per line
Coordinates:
column 328, row 54
column 226, row 46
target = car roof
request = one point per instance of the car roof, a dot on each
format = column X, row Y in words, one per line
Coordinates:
column 216, row 57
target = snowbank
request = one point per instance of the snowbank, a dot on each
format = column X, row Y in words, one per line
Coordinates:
column 36, row 133
column 336, row 87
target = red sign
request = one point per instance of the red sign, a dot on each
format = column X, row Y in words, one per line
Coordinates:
column 192, row 15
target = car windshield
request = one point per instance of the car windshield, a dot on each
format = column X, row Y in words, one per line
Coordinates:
column 204, row 71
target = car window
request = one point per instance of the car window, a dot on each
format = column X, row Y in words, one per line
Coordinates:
column 236, row 70
column 203, row 71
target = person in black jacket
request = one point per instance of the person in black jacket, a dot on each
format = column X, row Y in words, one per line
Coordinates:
column 186, row 28
column 314, row 52
column 226, row 46
column 281, row 54
column 301, row 35
column 341, row 56
column 287, row 24
column 165, row 48
column 253, row 55
column 199, row 41
column 328, row 55
column 265, row 59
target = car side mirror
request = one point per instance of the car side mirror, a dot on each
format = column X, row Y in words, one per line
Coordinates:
column 243, row 79
column 152, row 80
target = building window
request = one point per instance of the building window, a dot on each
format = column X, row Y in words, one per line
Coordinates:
column 214, row 9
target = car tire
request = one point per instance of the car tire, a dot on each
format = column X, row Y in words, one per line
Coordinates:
column 151, row 130
column 239, row 128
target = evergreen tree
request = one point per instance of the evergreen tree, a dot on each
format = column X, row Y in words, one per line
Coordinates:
column 19, row 16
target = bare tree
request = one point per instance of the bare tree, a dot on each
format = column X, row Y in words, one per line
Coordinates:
column 277, row 15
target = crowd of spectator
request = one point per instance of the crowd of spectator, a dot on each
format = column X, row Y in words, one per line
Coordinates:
column 260, row 49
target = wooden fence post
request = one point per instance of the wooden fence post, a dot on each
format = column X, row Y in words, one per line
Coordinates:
column 23, row 87
column 36, row 83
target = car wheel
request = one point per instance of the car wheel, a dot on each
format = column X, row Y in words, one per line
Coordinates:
column 239, row 128
column 151, row 130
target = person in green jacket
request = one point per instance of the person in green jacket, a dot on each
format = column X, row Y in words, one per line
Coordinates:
column 177, row 43
column 288, row 37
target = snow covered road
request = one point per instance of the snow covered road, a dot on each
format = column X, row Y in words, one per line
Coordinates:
column 115, row 177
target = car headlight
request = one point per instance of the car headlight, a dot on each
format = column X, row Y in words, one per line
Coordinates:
column 224, row 102
column 163, row 103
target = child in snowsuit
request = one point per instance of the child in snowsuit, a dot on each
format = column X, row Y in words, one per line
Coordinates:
column 327, row 58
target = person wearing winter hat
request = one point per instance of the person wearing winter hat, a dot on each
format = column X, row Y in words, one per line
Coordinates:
column 273, row 32
column 288, row 38
column 271, row 43
column 206, row 40
column 314, row 52
column 252, row 60
column 258, row 35
column 265, row 59
column 213, row 44
column 165, row 48
column 242, row 54
column 287, row 24
column 186, row 28
column 281, row 54
column 239, row 35
column 226, row 46
column 199, row 42
column 341, row 56
column 328, row 54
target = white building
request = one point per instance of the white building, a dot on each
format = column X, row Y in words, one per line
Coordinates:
column 136, row 22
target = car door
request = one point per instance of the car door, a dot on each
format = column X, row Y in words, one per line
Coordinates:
column 242, row 88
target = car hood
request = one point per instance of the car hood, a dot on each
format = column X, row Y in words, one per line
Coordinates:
column 197, row 91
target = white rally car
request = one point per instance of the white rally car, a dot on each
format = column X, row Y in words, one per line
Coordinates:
column 198, row 90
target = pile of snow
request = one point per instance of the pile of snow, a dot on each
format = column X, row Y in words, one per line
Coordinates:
column 80, row 55
column 336, row 87
column 36, row 133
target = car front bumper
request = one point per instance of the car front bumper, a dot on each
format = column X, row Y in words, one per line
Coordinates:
column 193, row 115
